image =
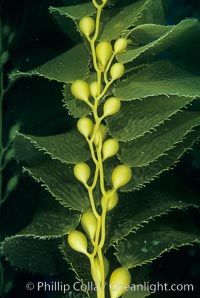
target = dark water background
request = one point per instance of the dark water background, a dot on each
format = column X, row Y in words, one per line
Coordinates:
column 37, row 39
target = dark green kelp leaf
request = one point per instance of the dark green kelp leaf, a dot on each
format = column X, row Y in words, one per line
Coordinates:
column 156, row 237
column 74, row 11
column 154, row 12
column 153, row 39
column 145, row 174
column 25, row 151
column 56, row 177
column 69, row 147
column 67, row 17
column 123, row 20
column 138, row 207
column 59, row 180
column 51, row 220
column 62, row 68
column 137, row 117
column 144, row 34
column 41, row 256
column 151, row 146
column 159, row 78
column 142, row 11
column 65, row 24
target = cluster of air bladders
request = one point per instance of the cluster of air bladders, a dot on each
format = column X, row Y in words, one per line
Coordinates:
column 95, row 133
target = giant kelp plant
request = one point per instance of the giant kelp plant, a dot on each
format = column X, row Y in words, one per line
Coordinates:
column 134, row 96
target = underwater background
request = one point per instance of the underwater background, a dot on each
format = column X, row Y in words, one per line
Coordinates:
column 34, row 39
